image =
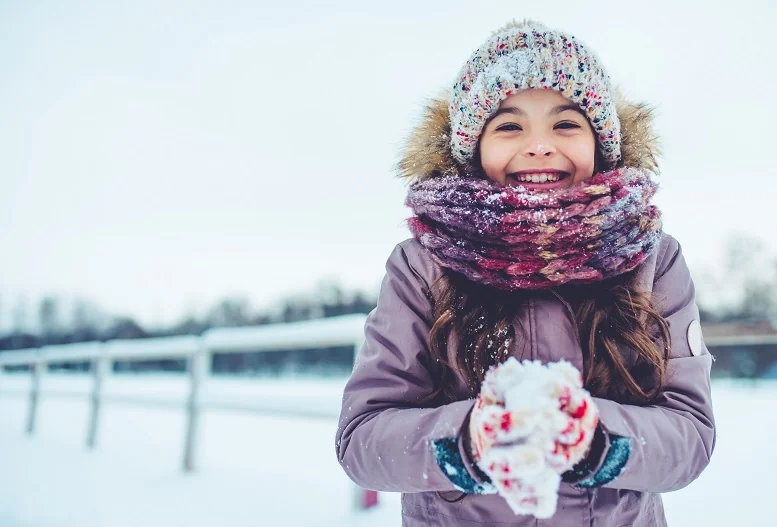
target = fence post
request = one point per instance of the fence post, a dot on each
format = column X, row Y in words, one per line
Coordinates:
column 32, row 410
column 199, row 369
column 101, row 367
column 363, row 499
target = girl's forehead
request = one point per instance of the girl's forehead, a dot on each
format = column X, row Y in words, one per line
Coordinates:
column 535, row 98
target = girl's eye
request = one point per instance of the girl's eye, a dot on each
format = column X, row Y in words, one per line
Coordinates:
column 510, row 127
column 567, row 125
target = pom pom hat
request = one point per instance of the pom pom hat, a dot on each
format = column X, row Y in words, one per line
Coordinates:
column 528, row 55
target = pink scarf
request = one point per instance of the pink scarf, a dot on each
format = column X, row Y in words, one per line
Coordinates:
column 512, row 238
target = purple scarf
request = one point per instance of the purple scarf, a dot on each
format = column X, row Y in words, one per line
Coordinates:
column 512, row 238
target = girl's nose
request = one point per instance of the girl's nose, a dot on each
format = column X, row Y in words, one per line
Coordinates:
column 538, row 148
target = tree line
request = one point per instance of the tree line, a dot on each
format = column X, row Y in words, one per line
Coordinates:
column 86, row 322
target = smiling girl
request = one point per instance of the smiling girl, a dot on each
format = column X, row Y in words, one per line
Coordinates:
column 534, row 238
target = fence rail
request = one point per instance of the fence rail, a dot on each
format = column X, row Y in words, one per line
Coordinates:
column 198, row 351
column 741, row 340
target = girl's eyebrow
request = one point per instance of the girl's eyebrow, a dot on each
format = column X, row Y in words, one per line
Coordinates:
column 509, row 109
column 564, row 107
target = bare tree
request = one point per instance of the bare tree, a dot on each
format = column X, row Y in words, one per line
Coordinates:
column 230, row 312
column 752, row 270
column 87, row 321
column 19, row 315
column 48, row 319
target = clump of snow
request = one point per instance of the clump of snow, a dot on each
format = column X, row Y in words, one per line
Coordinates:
column 527, row 416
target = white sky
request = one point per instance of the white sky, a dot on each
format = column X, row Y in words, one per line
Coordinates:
column 156, row 158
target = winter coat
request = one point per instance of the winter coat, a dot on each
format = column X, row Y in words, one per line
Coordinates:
column 388, row 441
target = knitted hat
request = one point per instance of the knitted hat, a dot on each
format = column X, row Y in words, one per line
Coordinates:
column 529, row 55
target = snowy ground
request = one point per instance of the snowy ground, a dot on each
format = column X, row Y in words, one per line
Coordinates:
column 272, row 469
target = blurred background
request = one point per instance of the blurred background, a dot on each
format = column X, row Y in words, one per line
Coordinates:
column 198, row 169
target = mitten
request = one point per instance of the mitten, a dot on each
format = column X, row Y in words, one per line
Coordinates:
column 530, row 423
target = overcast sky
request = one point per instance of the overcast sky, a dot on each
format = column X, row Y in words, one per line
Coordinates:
column 154, row 158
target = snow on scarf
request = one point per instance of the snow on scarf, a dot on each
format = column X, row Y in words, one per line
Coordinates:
column 512, row 238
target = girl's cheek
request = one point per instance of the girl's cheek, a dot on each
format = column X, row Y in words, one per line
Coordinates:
column 492, row 163
column 584, row 161
column 493, row 174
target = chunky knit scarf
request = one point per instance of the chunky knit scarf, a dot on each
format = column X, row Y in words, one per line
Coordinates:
column 512, row 238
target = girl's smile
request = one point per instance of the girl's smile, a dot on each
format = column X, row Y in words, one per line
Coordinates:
column 538, row 178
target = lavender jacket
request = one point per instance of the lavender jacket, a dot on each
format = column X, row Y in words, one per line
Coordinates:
column 386, row 441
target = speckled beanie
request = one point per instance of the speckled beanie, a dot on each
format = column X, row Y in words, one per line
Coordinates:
column 524, row 55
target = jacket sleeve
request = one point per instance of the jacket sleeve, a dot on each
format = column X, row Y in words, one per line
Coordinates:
column 664, row 446
column 386, row 440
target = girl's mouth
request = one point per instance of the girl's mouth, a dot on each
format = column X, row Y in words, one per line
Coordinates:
column 538, row 180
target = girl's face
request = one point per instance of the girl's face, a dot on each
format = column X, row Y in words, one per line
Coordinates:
column 540, row 140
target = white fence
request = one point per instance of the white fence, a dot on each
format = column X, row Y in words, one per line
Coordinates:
column 198, row 352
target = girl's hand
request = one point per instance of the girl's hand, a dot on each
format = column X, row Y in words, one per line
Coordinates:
column 571, row 445
column 531, row 423
column 482, row 432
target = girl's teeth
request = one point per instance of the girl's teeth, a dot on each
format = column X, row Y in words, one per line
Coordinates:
column 539, row 178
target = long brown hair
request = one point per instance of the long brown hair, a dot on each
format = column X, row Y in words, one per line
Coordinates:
column 609, row 317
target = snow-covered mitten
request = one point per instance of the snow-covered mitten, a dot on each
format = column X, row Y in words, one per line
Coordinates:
column 522, row 479
column 531, row 423
column 572, row 443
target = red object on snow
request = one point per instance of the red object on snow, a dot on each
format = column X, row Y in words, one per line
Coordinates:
column 369, row 499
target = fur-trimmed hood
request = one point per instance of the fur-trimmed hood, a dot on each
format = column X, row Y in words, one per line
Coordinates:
column 427, row 152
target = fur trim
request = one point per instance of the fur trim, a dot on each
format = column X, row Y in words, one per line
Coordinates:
column 639, row 144
column 427, row 151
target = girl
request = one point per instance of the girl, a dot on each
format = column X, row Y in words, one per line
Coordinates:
column 534, row 237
